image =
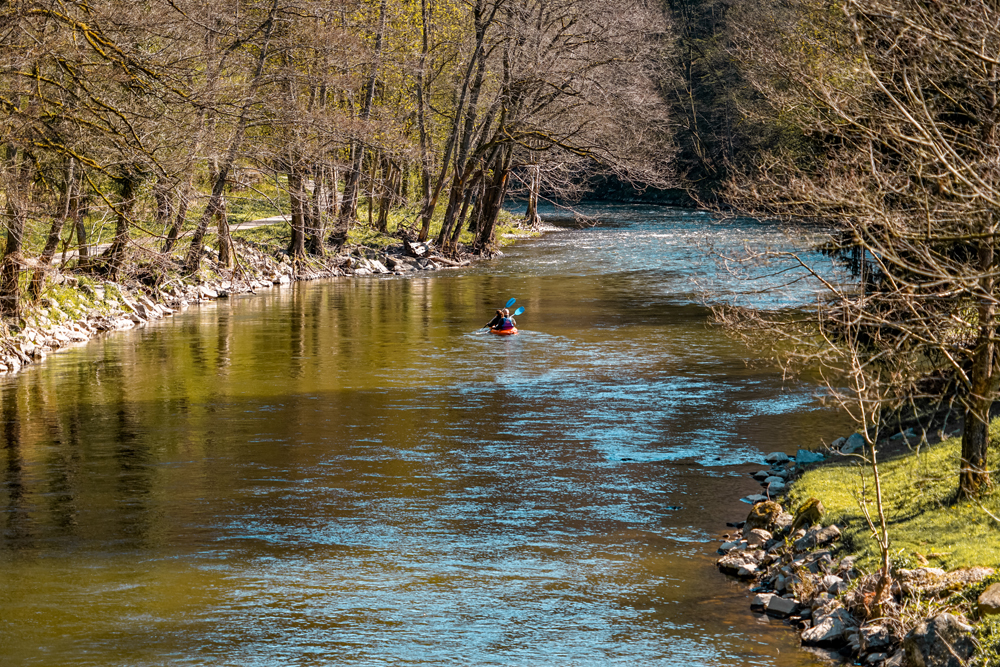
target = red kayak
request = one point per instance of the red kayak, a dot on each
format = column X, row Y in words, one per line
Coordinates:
column 504, row 332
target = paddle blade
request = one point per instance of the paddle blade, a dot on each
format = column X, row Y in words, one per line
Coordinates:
column 510, row 303
column 518, row 311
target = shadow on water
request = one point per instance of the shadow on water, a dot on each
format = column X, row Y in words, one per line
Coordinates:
column 346, row 472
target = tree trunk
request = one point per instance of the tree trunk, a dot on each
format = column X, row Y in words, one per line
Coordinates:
column 227, row 257
column 297, row 244
column 493, row 202
column 175, row 230
column 55, row 231
column 974, row 476
column 114, row 256
column 314, row 222
column 531, row 215
column 10, row 268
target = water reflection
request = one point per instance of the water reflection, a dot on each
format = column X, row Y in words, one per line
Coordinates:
column 346, row 473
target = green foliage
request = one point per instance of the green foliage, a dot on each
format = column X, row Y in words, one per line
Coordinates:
column 919, row 491
column 988, row 636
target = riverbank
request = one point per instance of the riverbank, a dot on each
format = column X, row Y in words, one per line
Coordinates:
column 77, row 305
column 819, row 569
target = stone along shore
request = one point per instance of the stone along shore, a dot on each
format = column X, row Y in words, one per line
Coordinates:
column 77, row 307
column 799, row 572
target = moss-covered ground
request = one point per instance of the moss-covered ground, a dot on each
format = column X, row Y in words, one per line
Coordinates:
column 926, row 523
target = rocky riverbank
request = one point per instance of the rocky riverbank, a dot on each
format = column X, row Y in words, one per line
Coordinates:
column 800, row 571
column 75, row 307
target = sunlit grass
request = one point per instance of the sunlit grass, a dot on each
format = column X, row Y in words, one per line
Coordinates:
column 919, row 491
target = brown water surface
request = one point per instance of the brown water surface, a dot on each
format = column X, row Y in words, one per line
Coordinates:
column 346, row 472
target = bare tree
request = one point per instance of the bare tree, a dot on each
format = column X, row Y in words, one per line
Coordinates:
column 890, row 108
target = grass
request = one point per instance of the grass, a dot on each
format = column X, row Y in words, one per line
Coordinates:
column 919, row 489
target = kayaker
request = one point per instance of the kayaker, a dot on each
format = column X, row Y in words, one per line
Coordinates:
column 506, row 321
column 497, row 320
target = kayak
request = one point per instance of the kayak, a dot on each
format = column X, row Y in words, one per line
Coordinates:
column 504, row 332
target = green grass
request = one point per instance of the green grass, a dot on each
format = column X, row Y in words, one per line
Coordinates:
column 919, row 491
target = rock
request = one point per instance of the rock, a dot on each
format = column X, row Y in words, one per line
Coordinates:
column 989, row 601
column 776, row 487
column 780, row 607
column 896, row 659
column 942, row 641
column 936, row 582
column 854, row 444
column 729, row 546
column 808, row 514
column 776, row 457
column 817, row 536
column 875, row 638
column 757, row 537
column 829, row 630
column 804, row 457
column 741, row 564
column 783, row 521
column 759, row 602
column 876, row 658
column 761, row 475
column 761, row 516
column 831, row 581
column 774, row 479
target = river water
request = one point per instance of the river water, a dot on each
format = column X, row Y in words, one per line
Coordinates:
column 346, row 472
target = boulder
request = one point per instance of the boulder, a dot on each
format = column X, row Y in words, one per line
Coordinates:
column 758, row 537
column 804, row 457
column 808, row 514
column 875, row 638
column 854, row 444
column 759, row 602
column 829, row 630
column 832, row 583
column 741, row 564
column 776, row 457
column 762, row 516
column 989, row 601
column 780, row 607
column 936, row 582
column 776, row 487
column 774, row 479
column 761, row 475
column 942, row 641
column 729, row 546
column 817, row 536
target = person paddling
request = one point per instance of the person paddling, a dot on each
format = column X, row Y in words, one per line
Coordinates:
column 497, row 319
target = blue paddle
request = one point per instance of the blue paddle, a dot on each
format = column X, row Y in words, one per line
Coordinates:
column 510, row 303
column 517, row 312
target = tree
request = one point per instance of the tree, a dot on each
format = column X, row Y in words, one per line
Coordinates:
column 894, row 110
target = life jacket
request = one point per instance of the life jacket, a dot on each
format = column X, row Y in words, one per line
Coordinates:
column 505, row 323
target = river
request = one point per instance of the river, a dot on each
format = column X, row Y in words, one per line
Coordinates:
column 347, row 472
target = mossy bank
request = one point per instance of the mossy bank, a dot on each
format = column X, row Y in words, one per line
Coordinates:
column 816, row 565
